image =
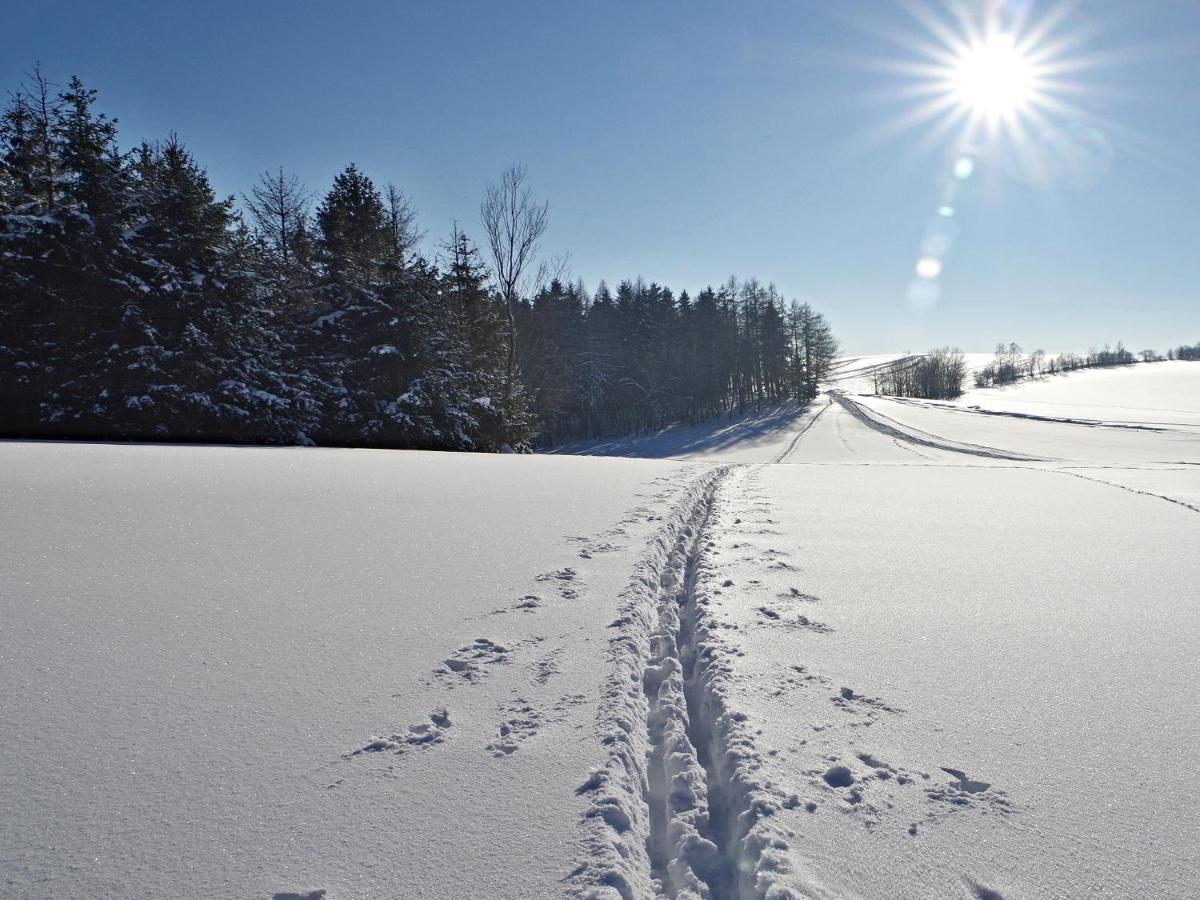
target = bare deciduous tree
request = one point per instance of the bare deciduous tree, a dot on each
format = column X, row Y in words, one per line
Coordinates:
column 515, row 224
column 278, row 205
column 401, row 215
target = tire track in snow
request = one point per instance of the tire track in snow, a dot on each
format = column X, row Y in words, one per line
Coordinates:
column 673, row 811
column 879, row 422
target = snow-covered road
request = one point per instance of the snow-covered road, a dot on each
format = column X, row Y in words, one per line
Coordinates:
column 934, row 653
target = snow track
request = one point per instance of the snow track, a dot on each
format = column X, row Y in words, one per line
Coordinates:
column 673, row 811
column 878, row 422
column 791, row 447
column 1132, row 490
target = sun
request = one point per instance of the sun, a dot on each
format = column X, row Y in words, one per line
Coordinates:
column 998, row 86
column 993, row 79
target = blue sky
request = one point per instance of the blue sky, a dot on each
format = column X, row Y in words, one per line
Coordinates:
column 687, row 141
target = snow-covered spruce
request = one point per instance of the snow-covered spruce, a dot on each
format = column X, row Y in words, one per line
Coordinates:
column 674, row 810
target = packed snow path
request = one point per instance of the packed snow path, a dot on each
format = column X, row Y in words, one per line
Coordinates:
column 864, row 648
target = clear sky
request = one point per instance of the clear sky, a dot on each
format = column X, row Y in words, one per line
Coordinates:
column 687, row 141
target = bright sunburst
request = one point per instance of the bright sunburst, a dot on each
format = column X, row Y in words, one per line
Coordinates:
column 979, row 72
column 992, row 84
column 994, row 78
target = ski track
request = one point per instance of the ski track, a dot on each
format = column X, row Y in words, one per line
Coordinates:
column 1034, row 417
column 1125, row 487
column 680, row 808
column 936, row 442
column 677, row 810
column 791, row 447
column 878, row 422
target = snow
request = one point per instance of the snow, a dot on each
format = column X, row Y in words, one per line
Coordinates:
column 997, row 622
column 866, row 647
column 756, row 435
column 853, row 373
column 1161, row 394
column 194, row 641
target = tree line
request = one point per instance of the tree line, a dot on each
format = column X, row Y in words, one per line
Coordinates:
column 139, row 305
column 1011, row 364
column 940, row 373
column 1185, row 351
column 936, row 375
column 640, row 357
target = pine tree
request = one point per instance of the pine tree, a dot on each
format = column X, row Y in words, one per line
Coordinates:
column 61, row 267
column 137, row 304
column 352, row 236
column 87, row 152
column 191, row 354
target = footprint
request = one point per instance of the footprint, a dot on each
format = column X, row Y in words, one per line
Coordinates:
column 798, row 595
column 838, row 776
column 467, row 662
column 421, row 735
column 801, row 622
column 965, row 783
column 603, row 547
column 566, row 579
column 526, row 604
column 981, row 892
column 518, row 728
column 847, row 696
column 525, row 720
column 847, row 700
column 966, row 792
column 547, row 667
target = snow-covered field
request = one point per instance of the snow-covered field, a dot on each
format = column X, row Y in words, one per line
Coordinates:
column 869, row 648
column 1159, row 394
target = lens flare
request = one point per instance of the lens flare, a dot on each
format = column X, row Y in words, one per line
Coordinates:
column 929, row 267
column 993, row 88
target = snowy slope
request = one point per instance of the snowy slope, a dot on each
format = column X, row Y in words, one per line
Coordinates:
column 1162, row 394
column 767, row 434
column 193, row 642
column 884, row 632
column 853, row 374
column 935, row 653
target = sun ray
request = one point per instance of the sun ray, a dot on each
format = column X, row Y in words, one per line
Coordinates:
column 995, row 83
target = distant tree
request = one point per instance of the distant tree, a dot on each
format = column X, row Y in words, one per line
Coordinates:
column 279, row 207
column 352, row 231
column 817, row 351
column 29, row 162
column 1186, row 352
column 1037, row 363
column 514, row 223
column 936, row 375
column 400, row 219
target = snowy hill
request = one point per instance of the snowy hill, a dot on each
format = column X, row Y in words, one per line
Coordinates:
column 865, row 648
column 1162, row 394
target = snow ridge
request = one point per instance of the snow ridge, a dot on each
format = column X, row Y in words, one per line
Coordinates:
column 675, row 810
